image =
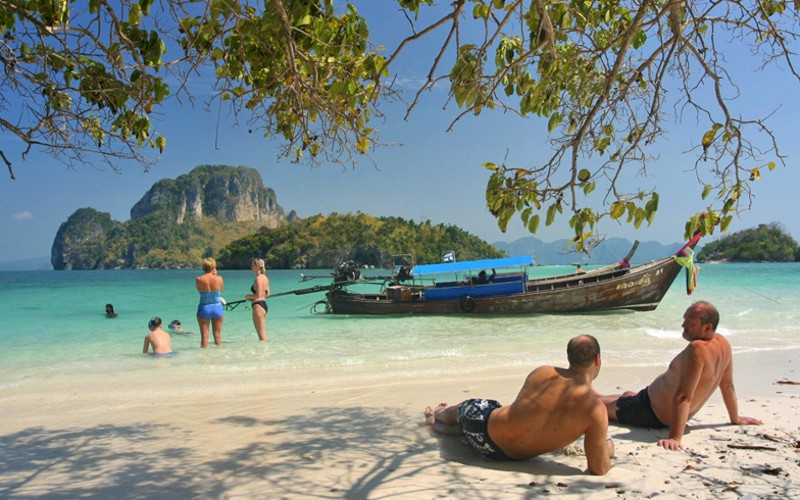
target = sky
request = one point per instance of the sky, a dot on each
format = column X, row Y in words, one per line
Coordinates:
column 430, row 174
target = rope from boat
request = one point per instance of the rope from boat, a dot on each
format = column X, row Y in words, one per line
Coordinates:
column 710, row 268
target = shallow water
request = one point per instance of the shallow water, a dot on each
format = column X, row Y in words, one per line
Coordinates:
column 56, row 334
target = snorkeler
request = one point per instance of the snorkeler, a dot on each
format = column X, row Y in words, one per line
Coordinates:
column 176, row 327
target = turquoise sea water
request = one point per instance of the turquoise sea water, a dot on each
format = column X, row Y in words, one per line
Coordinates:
column 55, row 330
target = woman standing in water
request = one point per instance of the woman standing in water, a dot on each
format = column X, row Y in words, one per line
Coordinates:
column 260, row 291
column 210, row 310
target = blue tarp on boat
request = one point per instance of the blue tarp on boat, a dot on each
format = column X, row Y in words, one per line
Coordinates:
column 470, row 265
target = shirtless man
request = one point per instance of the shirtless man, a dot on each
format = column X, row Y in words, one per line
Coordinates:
column 554, row 408
column 678, row 394
column 157, row 338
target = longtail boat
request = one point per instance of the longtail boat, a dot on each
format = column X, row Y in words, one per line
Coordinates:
column 432, row 288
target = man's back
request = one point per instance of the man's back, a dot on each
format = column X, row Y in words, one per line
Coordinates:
column 706, row 361
column 553, row 409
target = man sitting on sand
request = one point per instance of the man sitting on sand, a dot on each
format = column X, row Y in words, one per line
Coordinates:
column 554, row 408
column 678, row 394
column 157, row 338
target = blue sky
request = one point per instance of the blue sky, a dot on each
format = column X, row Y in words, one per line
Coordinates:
column 434, row 175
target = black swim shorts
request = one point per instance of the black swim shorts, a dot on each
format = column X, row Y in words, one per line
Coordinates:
column 473, row 417
column 637, row 411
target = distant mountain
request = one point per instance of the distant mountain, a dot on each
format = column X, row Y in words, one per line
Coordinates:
column 609, row 251
column 174, row 225
column 32, row 264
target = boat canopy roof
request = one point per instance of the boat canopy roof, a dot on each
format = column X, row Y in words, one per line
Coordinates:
column 470, row 265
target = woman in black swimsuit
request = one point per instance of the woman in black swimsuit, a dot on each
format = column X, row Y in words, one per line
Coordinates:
column 260, row 291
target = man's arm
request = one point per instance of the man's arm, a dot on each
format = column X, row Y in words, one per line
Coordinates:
column 691, row 370
column 729, row 397
column 598, row 448
column 147, row 344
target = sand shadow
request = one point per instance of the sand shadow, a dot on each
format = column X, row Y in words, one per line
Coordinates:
column 371, row 447
column 106, row 461
column 645, row 435
column 452, row 449
column 350, row 452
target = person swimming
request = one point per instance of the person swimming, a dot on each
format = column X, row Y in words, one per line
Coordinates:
column 110, row 311
column 176, row 327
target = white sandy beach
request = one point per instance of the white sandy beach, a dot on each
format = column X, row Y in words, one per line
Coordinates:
column 360, row 435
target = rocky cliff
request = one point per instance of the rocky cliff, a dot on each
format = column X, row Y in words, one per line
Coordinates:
column 80, row 241
column 226, row 193
column 174, row 225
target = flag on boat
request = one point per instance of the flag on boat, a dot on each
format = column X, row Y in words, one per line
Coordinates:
column 449, row 257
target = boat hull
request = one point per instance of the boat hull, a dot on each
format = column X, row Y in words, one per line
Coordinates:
column 640, row 288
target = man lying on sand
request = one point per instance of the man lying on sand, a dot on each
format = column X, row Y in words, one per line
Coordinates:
column 554, row 408
column 678, row 394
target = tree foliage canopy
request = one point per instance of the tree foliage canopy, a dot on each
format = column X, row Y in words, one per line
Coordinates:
column 82, row 78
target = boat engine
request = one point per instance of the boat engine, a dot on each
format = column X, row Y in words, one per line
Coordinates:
column 347, row 270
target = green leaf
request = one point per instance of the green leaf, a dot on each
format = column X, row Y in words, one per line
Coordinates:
column 706, row 190
column 639, row 39
column 145, row 5
column 553, row 122
column 363, row 145
column 709, row 222
column 135, row 15
column 726, row 221
column 551, row 214
column 709, row 136
column 617, row 210
column 639, row 217
column 533, row 224
column 583, row 175
column 727, row 207
column 480, row 11
column 503, row 218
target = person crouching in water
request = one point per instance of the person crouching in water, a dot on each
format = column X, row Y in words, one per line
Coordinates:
column 260, row 291
column 157, row 338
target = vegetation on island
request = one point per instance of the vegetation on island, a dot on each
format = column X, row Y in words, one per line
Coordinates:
column 176, row 224
column 90, row 239
column 83, row 79
column 765, row 243
column 321, row 242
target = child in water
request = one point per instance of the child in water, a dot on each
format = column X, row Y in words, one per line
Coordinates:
column 158, row 338
column 175, row 327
